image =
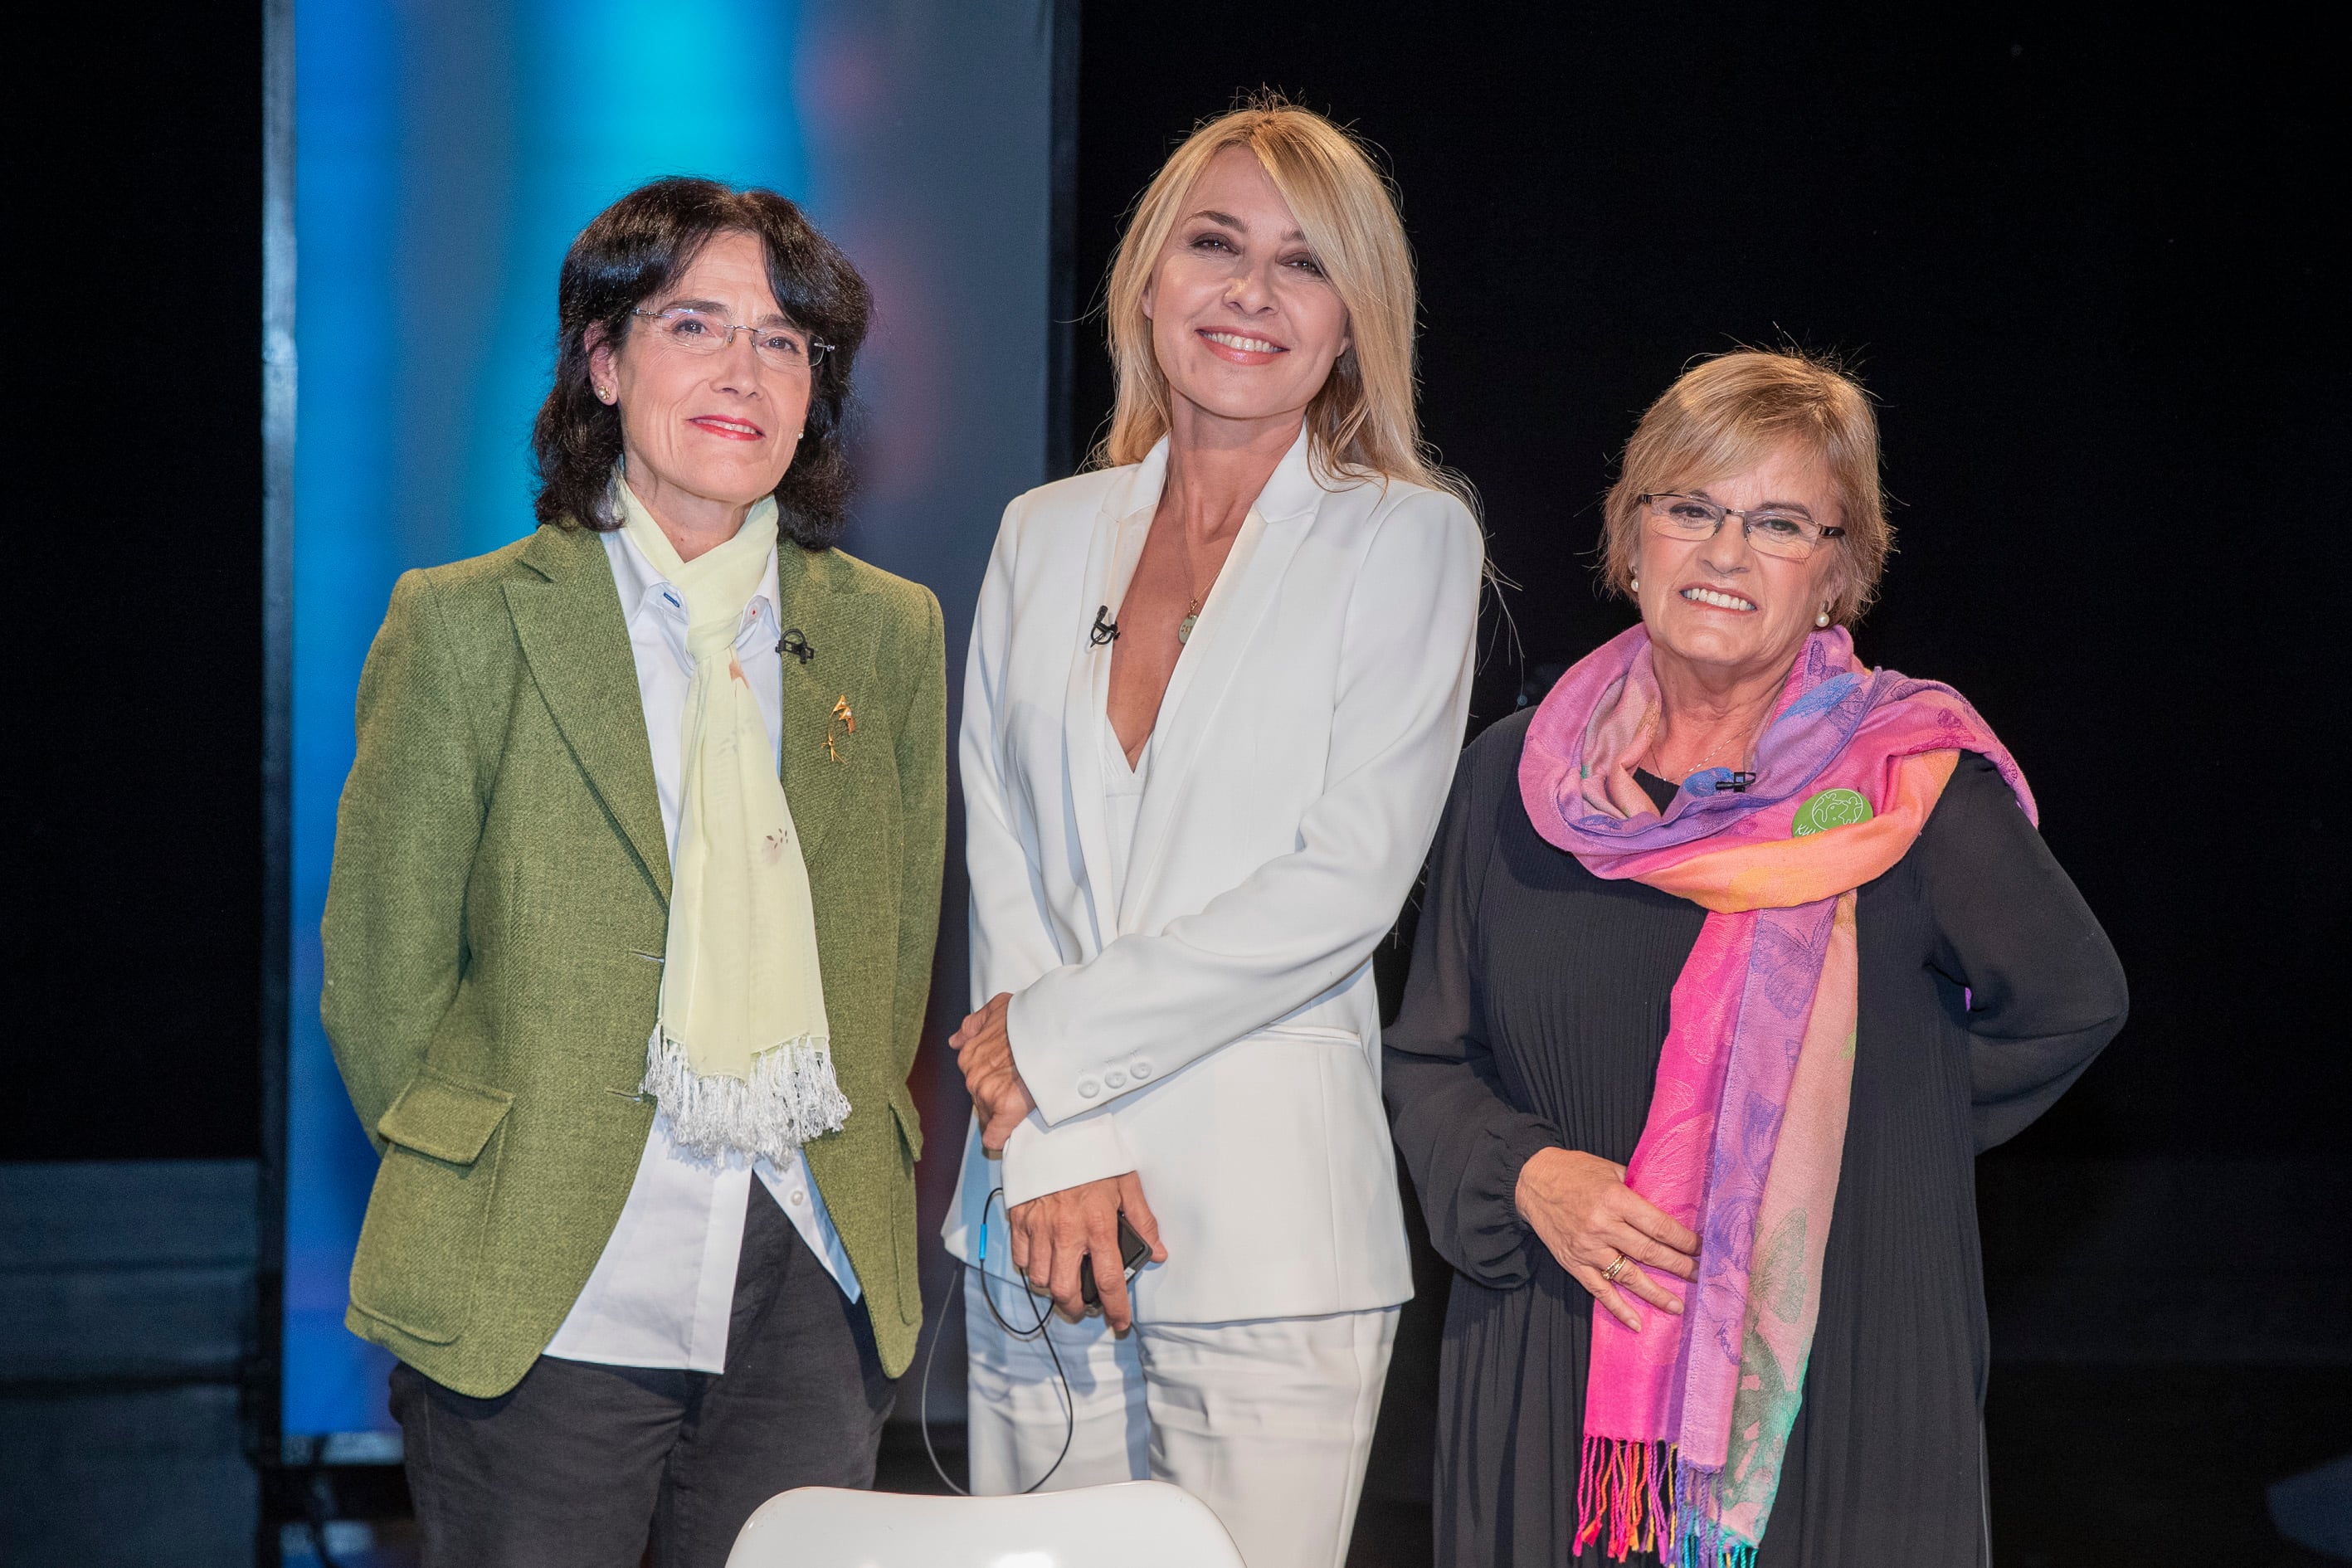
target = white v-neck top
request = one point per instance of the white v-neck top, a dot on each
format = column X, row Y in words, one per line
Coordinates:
column 1122, row 802
column 664, row 1287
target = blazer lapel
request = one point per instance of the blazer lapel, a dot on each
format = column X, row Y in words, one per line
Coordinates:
column 577, row 647
column 821, row 757
column 1083, row 719
column 1246, row 591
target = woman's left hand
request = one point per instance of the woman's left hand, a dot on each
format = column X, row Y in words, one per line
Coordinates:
column 984, row 1051
column 1595, row 1225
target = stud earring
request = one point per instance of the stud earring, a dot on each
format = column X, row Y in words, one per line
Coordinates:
column 1635, row 585
column 605, row 392
column 1823, row 618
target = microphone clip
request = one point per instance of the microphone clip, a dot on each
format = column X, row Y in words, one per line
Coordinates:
column 1105, row 630
column 794, row 644
column 1736, row 783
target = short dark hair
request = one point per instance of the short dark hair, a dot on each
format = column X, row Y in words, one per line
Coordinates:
column 632, row 251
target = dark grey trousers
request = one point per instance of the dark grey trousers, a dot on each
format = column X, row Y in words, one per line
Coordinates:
column 582, row 1465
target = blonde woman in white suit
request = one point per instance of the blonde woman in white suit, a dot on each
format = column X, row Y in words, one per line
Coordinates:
column 1185, row 839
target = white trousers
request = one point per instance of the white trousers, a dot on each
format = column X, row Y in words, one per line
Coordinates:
column 1268, row 1422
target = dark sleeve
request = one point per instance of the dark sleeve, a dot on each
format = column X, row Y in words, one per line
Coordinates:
column 2045, row 991
column 1459, row 1134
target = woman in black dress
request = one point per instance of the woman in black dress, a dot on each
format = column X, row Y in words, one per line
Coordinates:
column 1520, row 1077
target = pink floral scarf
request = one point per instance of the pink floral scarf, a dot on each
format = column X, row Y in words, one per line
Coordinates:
column 1685, row 1423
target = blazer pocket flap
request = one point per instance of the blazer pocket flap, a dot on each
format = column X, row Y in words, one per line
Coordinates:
column 1310, row 1034
column 444, row 1118
column 910, row 1121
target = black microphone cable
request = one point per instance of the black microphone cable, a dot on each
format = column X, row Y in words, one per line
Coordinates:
column 1035, row 1332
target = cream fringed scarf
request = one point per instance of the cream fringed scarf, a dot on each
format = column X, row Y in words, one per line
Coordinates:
column 742, row 1058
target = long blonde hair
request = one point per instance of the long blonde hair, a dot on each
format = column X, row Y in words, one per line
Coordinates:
column 1363, row 424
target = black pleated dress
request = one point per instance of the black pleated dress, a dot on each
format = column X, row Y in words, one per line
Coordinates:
column 1534, row 1017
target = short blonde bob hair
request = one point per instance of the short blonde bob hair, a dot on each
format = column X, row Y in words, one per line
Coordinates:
column 1729, row 413
column 1363, row 424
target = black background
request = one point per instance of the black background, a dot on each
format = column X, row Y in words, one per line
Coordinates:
column 2084, row 269
column 134, row 632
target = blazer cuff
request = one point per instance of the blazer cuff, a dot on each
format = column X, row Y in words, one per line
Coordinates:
column 1039, row 1159
column 1062, row 1080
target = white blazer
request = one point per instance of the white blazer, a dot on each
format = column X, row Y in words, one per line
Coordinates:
column 1216, row 1032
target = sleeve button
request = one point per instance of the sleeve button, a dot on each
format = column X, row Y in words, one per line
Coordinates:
column 1141, row 1068
column 1114, row 1078
column 1088, row 1089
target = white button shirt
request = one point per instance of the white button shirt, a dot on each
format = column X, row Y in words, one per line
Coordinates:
column 662, row 1291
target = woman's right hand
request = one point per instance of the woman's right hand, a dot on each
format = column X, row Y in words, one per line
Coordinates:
column 1579, row 1204
column 1054, row 1234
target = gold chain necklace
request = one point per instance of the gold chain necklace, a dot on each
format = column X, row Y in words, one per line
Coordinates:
column 1705, row 757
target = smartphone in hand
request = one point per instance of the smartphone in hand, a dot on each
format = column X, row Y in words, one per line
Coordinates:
column 1134, row 1252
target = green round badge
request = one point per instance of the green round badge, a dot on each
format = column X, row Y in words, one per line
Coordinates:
column 1831, row 808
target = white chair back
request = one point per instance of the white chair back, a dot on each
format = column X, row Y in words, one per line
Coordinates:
column 1135, row 1524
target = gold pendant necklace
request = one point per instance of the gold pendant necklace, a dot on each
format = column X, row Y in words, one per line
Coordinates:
column 1192, row 610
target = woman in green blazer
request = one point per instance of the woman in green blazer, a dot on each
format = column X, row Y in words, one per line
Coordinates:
column 629, row 937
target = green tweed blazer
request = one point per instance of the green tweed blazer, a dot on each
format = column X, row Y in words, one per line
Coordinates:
column 496, row 917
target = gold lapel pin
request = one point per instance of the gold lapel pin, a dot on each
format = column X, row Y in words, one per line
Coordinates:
column 844, row 716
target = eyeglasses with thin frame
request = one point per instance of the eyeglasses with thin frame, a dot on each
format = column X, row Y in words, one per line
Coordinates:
column 699, row 331
column 1774, row 531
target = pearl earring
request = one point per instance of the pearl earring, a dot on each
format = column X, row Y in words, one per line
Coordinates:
column 1635, row 585
column 1823, row 618
column 605, row 392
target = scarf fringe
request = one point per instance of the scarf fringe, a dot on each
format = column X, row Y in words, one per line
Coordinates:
column 1700, row 1538
column 790, row 1097
column 1626, row 1484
